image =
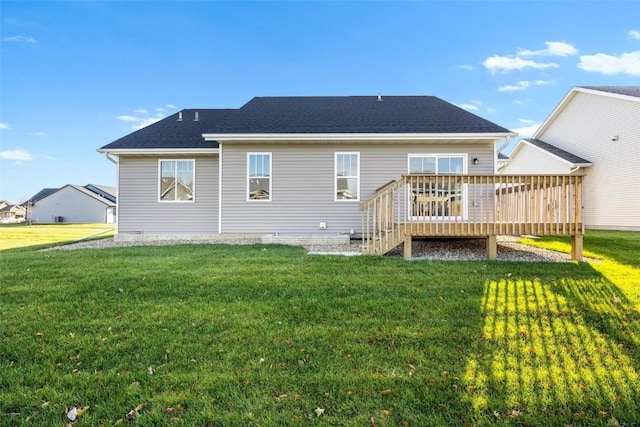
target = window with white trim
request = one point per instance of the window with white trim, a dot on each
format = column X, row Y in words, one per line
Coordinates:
column 177, row 180
column 440, row 197
column 347, row 176
column 259, row 176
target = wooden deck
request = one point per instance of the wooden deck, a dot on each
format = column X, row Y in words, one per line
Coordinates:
column 473, row 206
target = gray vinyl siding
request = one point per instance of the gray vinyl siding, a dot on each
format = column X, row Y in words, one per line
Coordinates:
column 303, row 183
column 72, row 205
column 139, row 210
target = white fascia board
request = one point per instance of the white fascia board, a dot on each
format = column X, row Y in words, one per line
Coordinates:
column 302, row 137
column 609, row 94
column 556, row 111
column 159, row 151
column 550, row 154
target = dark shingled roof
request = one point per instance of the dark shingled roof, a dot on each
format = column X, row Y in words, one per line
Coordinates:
column 571, row 158
column 105, row 191
column 43, row 193
column 620, row 90
column 173, row 133
column 309, row 115
column 353, row 114
column 502, row 156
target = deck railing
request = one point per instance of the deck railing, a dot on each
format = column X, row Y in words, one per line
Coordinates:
column 471, row 206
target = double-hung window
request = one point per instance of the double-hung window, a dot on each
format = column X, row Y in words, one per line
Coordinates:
column 437, row 197
column 177, row 180
column 347, row 176
column 259, row 176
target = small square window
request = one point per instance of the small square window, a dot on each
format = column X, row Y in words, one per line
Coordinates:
column 177, row 181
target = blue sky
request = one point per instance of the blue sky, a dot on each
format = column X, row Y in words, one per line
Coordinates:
column 78, row 75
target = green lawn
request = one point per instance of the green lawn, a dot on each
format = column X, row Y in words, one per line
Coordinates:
column 268, row 336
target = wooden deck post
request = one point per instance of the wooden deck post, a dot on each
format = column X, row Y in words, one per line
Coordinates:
column 576, row 247
column 492, row 247
column 407, row 246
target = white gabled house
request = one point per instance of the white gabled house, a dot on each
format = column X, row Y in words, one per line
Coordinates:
column 595, row 132
column 74, row 204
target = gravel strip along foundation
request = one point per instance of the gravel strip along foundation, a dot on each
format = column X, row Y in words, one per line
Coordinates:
column 431, row 249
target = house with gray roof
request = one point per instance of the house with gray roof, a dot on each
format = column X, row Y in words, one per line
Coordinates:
column 594, row 131
column 10, row 212
column 74, row 204
column 315, row 167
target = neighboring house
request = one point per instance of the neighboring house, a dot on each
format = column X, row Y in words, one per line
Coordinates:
column 313, row 166
column 595, row 131
column 74, row 204
column 10, row 212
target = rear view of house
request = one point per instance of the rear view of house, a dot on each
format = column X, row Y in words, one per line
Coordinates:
column 595, row 132
column 387, row 168
column 289, row 165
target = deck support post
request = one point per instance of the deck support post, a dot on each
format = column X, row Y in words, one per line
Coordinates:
column 492, row 247
column 407, row 246
column 576, row 247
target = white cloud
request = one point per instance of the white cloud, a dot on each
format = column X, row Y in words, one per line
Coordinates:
column 139, row 122
column 468, row 107
column 626, row 63
column 24, row 39
column 128, row 118
column 527, row 121
column 504, row 63
column 38, row 133
column 633, row 35
column 19, row 155
column 146, row 122
column 491, row 110
column 553, row 49
column 521, row 61
column 171, row 106
column 5, row 126
column 467, row 67
column 472, row 105
column 522, row 85
column 143, row 117
column 527, row 131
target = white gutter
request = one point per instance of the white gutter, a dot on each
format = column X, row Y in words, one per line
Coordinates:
column 574, row 169
column 161, row 151
column 253, row 137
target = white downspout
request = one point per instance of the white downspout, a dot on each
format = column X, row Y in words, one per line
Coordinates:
column 111, row 159
column 219, row 188
column 507, row 141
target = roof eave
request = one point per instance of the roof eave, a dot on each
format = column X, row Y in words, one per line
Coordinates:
column 258, row 137
column 157, row 151
column 555, row 156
